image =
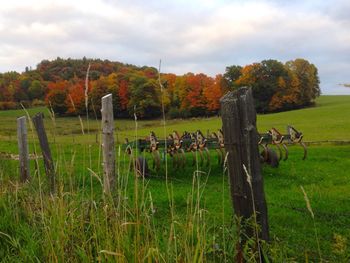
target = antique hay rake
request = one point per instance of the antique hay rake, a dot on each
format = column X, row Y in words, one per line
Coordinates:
column 176, row 146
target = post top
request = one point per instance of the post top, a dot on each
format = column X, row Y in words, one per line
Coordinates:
column 38, row 116
column 229, row 96
column 107, row 96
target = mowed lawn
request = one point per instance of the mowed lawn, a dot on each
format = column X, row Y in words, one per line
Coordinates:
column 325, row 176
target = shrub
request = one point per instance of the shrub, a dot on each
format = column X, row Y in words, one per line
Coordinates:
column 37, row 103
column 174, row 113
column 8, row 105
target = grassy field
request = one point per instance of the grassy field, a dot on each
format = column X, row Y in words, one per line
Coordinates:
column 185, row 218
column 328, row 121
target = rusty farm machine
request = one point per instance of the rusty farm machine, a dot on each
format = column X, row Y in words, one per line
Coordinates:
column 199, row 146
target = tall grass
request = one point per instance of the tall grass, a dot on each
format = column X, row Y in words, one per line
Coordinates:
column 80, row 224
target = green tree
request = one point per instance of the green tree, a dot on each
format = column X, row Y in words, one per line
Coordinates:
column 145, row 97
column 264, row 78
column 232, row 73
column 36, row 90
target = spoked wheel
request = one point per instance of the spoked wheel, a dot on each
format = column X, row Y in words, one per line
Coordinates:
column 141, row 167
column 156, row 160
column 270, row 157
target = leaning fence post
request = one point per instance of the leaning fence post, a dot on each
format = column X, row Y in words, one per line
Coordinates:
column 23, row 149
column 45, row 149
column 241, row 143
column 108, row 147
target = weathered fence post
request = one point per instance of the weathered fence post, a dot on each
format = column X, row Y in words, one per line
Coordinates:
column 23, row 149
column 108, row 147
column 241, row 143
column 45, row 149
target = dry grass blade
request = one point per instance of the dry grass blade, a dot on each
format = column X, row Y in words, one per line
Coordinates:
column 95, row 175
column 307, row 201
column 87, row 97
column 111, row 253
column 308, row 205
column 249, row 178
column 80, row 120
column 87, row 87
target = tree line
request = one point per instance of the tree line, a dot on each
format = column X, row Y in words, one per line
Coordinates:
column 60, row 84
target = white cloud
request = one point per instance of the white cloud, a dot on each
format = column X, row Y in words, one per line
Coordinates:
column 198, row 36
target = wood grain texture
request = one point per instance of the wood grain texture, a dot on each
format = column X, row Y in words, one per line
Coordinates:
column 241, row 143
column 108, row 145
column 45, row 149
column 23, row 149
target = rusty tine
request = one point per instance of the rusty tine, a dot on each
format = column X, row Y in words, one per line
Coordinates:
column 208, row 156
column 194, row 158
column 266, row 152
column 280, row 155
column 183, row 157
column 296, row 137
column 286, row 151
column 305, row 150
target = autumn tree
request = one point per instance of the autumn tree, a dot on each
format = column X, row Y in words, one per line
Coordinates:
column 276, row 87
column 8, row 83
column 213, row 92
column 101, row 87
column 264, row 79
column 169, row 83
column 308, row 80
column 75, row 100
column 56, row 97
column 123, row 94
column 192, row 95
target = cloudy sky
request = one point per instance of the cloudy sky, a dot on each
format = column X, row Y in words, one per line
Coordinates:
column 188, row 35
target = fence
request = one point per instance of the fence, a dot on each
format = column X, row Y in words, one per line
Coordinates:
column 241, row 146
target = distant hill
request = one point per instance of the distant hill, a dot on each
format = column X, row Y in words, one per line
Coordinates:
column 61, row 84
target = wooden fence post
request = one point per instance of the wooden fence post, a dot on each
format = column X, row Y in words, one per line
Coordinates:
column 108, row 147
column 45, row 149
column 241, row 143
column 23, row 149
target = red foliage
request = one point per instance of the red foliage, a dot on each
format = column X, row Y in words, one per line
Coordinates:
column 123, row 94
column 57, row 96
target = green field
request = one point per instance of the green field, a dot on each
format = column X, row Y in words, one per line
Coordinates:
column 185, row 218
column 327, row 121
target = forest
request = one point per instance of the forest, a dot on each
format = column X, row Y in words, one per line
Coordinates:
column 61, row 85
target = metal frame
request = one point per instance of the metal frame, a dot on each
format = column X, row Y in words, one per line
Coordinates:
column 196, row 142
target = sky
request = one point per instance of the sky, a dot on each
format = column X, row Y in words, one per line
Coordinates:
column 187, row 35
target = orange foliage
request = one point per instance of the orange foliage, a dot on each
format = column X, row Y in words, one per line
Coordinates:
column 195, row 84
column 276, row 87
column 57, row 96
column 76, row 97
column 213, row 93
column 248, row 76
